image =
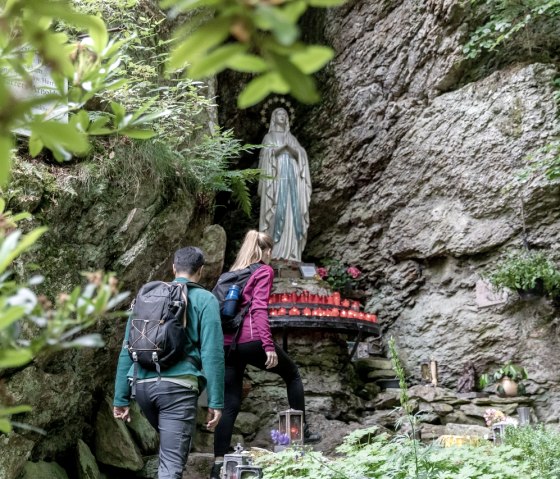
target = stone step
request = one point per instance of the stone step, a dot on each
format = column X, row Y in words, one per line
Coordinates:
column 199, row 465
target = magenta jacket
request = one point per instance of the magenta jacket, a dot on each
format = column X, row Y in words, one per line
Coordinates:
column 255, row 325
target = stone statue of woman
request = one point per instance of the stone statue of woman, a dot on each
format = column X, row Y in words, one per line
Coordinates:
column 286, row 190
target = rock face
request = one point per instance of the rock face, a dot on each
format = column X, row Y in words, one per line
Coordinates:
column 431, row 208
column 133, row 233
column 413, row 155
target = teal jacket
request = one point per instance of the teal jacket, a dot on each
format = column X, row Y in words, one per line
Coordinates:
column 206, row 343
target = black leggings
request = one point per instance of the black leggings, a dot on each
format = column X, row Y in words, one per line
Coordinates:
column 236, row 361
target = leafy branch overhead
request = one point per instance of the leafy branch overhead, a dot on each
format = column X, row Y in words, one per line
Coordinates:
column 259, row 37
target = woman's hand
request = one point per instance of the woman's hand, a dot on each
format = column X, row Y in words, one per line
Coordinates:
column 271, row 359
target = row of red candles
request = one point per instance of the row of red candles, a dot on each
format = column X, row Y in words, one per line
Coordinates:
column 320, row 312
column 333, row 299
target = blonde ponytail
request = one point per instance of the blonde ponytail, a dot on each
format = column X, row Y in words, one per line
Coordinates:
column 252, row 249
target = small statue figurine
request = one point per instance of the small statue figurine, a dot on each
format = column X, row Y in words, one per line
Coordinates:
column 466, row 383
column 285, row 191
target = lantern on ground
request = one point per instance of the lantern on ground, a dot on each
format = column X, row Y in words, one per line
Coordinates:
column 290, row 422
column 249, row 471
column 499, row 433
column 233, row 460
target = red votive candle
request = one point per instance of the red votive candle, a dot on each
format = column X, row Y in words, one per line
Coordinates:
column 294, row 311
column 345, row 303
column 306, row 312
column 336, row 298
column 282, row 312
column 344, row 314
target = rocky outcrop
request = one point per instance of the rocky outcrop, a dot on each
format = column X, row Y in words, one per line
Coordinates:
column 91, row 227
column 413, row 155
column 417, row 168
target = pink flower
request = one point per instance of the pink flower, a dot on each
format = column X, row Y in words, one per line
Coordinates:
column 492, row 416
column 354, row 272
column 323, row 272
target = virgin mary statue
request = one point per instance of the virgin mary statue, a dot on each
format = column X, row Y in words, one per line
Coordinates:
column 285, row 190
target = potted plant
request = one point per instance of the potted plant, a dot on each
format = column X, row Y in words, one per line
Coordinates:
column 507, row 379
column 340, row 277
column 531, row 273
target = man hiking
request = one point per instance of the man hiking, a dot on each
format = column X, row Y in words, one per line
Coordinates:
column 167, row 389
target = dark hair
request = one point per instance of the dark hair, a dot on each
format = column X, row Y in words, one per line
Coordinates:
column 188, row 260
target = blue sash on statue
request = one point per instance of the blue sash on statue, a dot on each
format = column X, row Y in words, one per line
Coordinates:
column 287, row 185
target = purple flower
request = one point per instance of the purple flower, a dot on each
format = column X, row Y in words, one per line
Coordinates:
column 278, row 438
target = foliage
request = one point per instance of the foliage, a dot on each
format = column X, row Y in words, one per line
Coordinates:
column 339, row 276
column 406, row 405
column 508, row 370
column 201, row 169
column 519, row 21
column 177, row 101
column 543, row 163
column 90, row 65
column 526, row 270
column 30, row 324
column 366, row 455
column 178, row 157
column 258, row 37
column 540, row 446
column 206, row 167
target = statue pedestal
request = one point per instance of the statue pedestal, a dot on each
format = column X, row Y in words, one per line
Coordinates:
column 286, row 269
column 298, row 285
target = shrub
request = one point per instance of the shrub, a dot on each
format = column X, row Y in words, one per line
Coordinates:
column 540, row 446
column 527, row 270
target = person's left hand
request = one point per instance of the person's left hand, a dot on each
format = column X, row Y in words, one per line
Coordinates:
column 271, row 359
column 121, row 412
column 213, row 418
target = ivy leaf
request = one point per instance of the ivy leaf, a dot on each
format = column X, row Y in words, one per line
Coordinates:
column 199, row 42
column 216, row 61
column 247, row 63
column 302, row 87
column 283, row 28
column 138, row 133
column 326, row 3
column 60, row 137
column 293, row 11
column 312, row 58
column 6, row 144
column 258, row 88
column 13, row 358
column 180, row 6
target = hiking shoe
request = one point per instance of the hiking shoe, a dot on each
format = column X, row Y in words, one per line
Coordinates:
column 216, row 469
column 310, row 437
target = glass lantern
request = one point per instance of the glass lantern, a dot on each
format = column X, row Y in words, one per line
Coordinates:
column 249, row 471
column 290, row 422
column 499, row 433
column 233, row 460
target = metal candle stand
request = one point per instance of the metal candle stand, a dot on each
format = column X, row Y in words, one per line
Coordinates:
column 290, row 423
column 233, row 461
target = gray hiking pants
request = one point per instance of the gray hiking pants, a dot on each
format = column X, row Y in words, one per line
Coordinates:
column 171, row 410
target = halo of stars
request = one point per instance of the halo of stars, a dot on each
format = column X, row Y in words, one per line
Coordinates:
column 276, row 102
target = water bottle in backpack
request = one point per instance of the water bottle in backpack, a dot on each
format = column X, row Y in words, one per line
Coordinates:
column 230, row 301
